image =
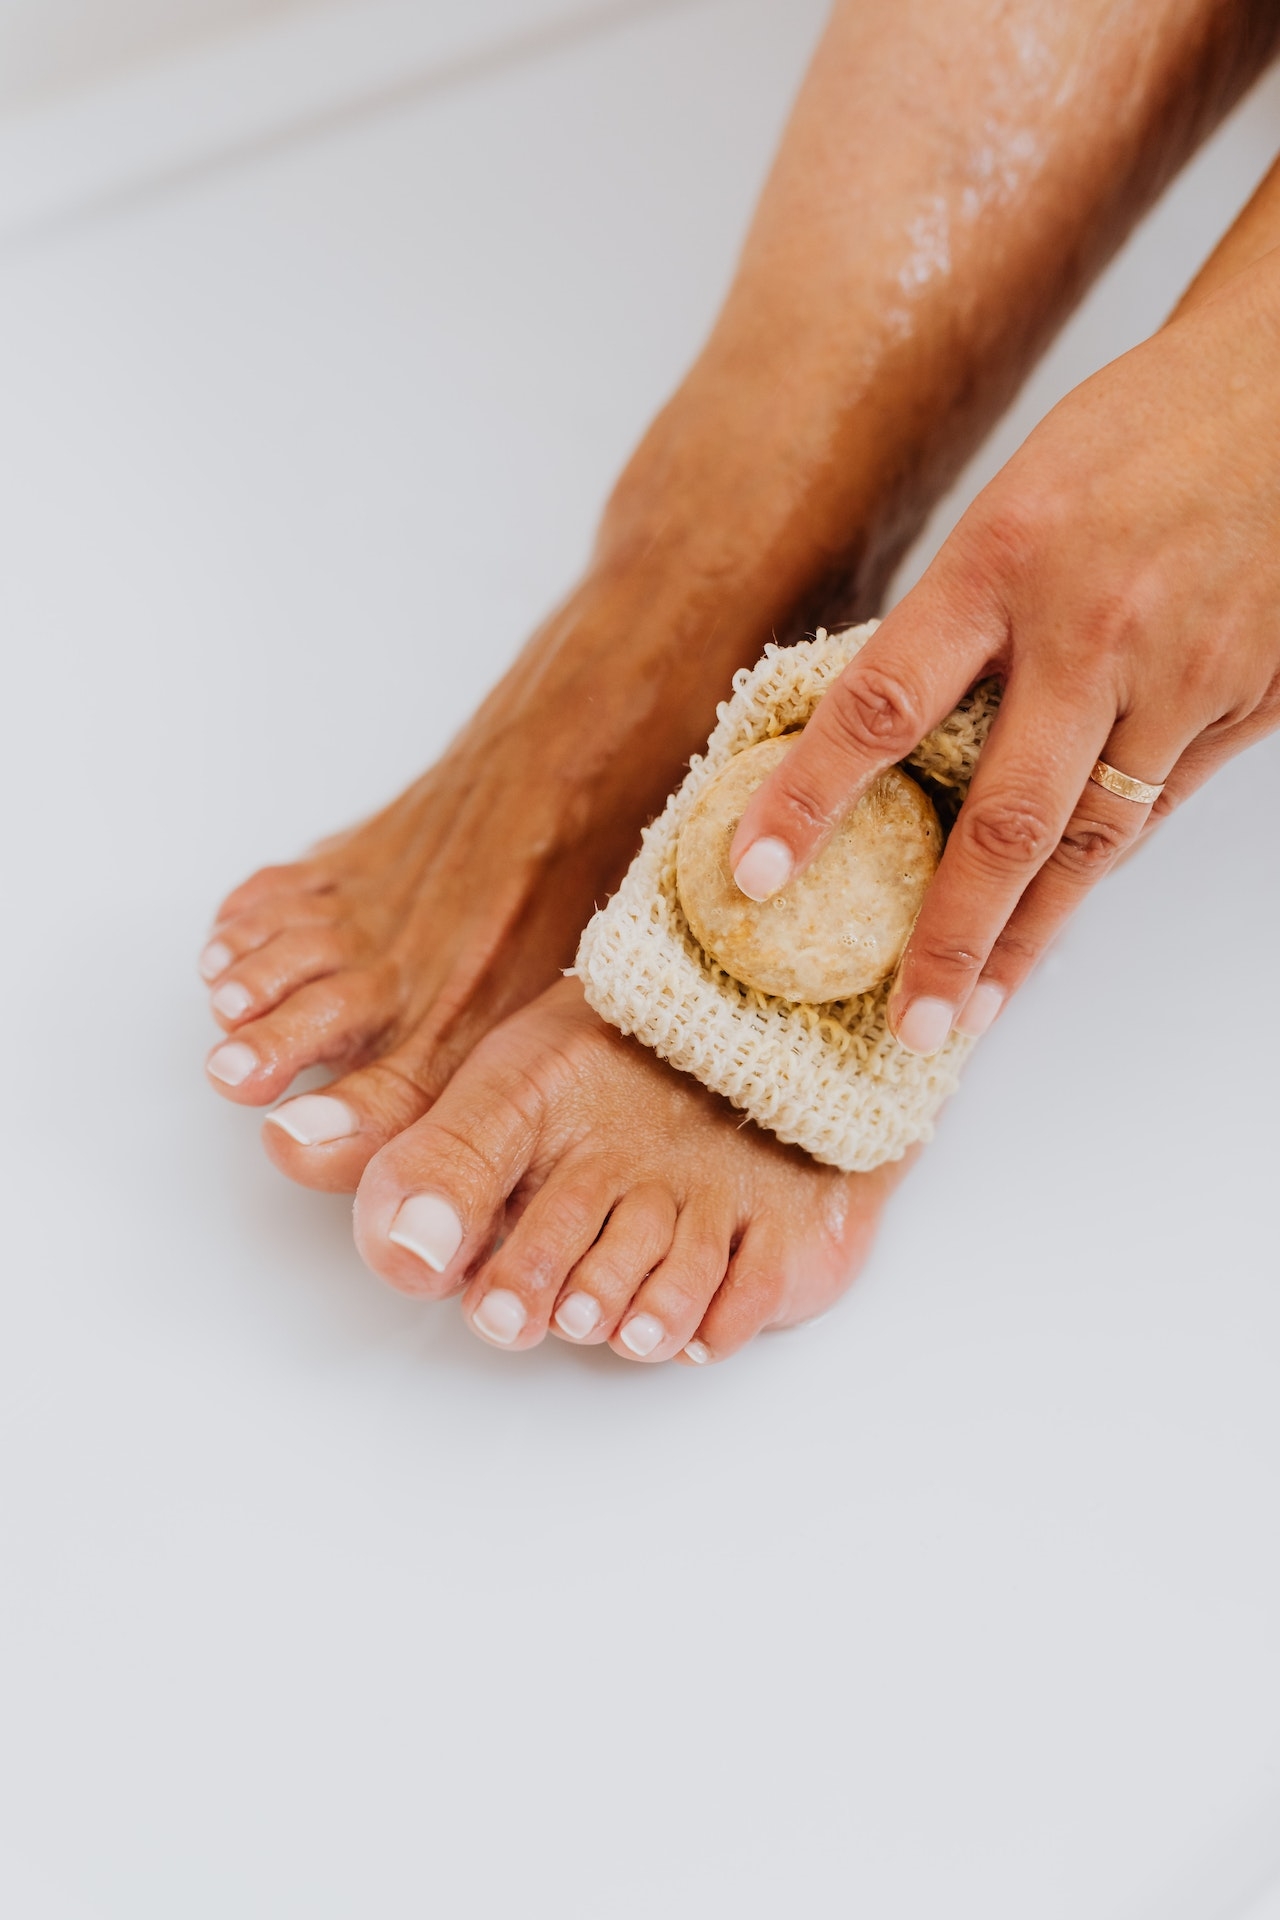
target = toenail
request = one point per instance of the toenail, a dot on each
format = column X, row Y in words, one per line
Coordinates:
column 232, row 1000
column 313, row 1119
column 925, row 1025
column 642, row 1334
column 698, row 1353
column 427, row 1225
column 578, row 1315
column 215, row 959
column 500, row 1316
column 233, row 1063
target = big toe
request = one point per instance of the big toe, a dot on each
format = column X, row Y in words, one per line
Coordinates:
column 432, row 1201
column 326, row 1140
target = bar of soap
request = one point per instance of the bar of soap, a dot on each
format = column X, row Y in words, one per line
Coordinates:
column 837, row 929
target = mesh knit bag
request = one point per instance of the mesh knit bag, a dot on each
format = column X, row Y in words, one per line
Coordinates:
column 831, row 1079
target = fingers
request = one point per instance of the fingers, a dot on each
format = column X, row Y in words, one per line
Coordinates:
column 906, row 679
column 1101, row 830
column 1028, row 784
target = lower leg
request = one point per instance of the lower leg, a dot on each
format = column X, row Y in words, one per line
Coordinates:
column 953, row 175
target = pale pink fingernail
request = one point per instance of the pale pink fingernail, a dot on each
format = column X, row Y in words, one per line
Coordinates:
column 578, row 1315
column 233, row 1063
column 427, row 1226
column 215, row 959
column 925, row 1025
column 642, row 1334
column 500, row 1316
column 764, row 869
column 980, row 1009
column 232, row 1000
column 698, row 1353
column 313, row 1119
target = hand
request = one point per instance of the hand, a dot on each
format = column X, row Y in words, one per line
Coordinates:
column 1121, row 575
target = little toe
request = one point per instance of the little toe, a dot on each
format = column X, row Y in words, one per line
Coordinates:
column 269, row 884
column 327, row 1021
column 509, row 1301
column 668, row 1306
column 231, row 940
column 253, row 985
column 600, row 1288
column 754, row 1294
column 431, row 1203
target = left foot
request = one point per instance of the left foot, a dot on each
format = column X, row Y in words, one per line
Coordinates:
column 638, row 1208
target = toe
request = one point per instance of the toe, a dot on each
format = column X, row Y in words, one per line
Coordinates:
column 232, row 939
column 666, row 1310
column 509, row 1301
column 252, row 986
column 270, row 884
column 600, row 1288
column 328, row 1021
column 755, row 1293
column 325, row 1141
column 431, row 1203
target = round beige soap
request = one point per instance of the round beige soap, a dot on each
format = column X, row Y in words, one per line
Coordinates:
column 840, row 927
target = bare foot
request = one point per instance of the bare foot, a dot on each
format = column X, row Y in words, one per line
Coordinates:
column 388, row 951
column 638, row 1209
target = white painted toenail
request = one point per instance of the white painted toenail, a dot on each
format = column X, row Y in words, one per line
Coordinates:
column 500, row 1316
column 233, row 1063
column 215, row 959
column 578, row 1315
column 427, row 1225
column 232, row 1000
column 698, row 1353
column 642, row 1334
column 313, row 1119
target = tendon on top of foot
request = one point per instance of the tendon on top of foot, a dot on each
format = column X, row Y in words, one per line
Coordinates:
column 826, row 1076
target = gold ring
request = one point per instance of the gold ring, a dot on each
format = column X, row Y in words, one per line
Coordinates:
column 1125, row 785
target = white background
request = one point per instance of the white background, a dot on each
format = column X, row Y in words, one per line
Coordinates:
column 962, row 1602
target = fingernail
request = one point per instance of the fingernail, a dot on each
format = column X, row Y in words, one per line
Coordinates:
column 427, row 1225
column 500, row 1316
column 925, row 1025
column 642, row 1334
column 980, row 1009
column 698, row 1353
column 578, row 1315
column 313, row 1119
column 764, row 869
column 232, row 1000
column 215, row 959
column 233, row 1063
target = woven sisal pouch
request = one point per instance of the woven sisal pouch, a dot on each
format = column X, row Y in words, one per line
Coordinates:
column 831, row 1079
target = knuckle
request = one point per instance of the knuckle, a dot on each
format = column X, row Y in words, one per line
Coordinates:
column 872, row 711
column 1008, row 830
column 1088, row 847
column 940, row 955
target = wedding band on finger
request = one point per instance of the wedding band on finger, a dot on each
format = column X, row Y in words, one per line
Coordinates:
column 1125, row 785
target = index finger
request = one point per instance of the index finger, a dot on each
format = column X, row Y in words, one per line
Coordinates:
column 907, row 678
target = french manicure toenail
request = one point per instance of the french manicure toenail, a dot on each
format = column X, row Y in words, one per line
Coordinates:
column 233, row 1063
column 313, row 1119
column 764, row 869
column 698, row 1353
column 980, row 1009
column 642, row 1334
column 232, row 1000
column 925, row 1025
column 215, row 959
column 427, row 1226
column 500, row 1316
column 578, row 1315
